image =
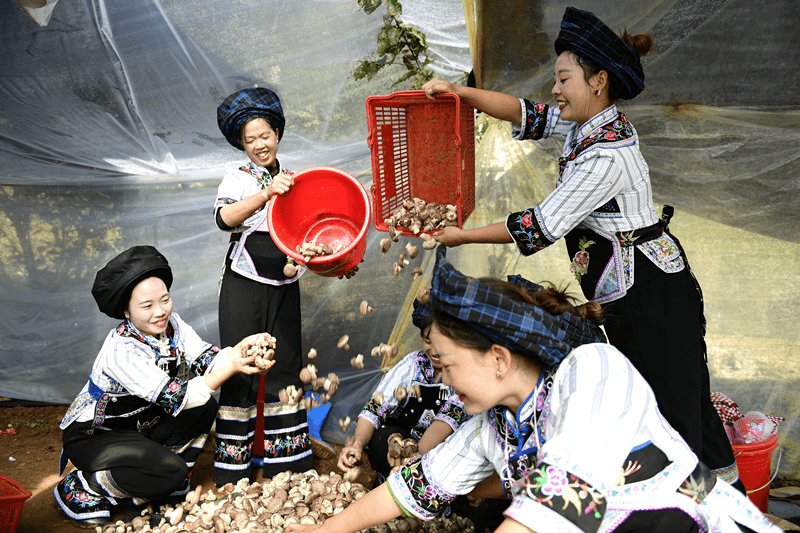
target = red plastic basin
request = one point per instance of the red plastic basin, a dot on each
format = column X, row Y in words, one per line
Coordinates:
column 326, row 205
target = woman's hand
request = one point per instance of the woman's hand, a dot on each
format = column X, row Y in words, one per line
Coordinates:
column 301, row 528
column 245, row 364
column 350, row 455
column 437, row 86
column 281, row 184
column 450, row 236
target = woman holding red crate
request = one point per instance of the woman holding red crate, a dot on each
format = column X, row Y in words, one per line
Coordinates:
column 621, row 253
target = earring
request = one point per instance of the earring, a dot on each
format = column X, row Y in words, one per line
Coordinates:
column 597, row 92
column 499, row 375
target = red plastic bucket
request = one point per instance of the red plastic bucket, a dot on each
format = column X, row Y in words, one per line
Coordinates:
column 328, row 206
column 754, row 462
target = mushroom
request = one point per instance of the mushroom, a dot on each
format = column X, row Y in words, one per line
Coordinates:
column 402, row 261
column 343, row 342
column 396, row 269
column 385, row 245
column 344, row 423
column 424, row 295
column 378, row 397
column 290, row 268
column 312, row 353
column 428, row 242
column 308, row 374
column 357, row 362
column 365, row 308
column 416, row 272
column 413, row 251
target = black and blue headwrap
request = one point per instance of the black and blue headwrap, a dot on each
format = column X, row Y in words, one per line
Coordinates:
column 521, row 327
column 241, row 106
column 421, row 315
column 585, row 35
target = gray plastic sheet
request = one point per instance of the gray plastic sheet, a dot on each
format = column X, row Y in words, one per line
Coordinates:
column 108, row 139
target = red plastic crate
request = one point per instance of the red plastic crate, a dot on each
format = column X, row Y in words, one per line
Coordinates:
column 420, row 148
column 12, row 497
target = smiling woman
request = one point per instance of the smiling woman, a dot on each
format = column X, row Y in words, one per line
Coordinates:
column 137, row 427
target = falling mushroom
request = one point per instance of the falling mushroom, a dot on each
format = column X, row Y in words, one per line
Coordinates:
column 365, row 308
column 343, row 342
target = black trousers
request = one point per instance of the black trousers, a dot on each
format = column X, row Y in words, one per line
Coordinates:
column 147, row 464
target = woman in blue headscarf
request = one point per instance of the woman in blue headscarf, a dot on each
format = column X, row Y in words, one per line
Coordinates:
column 570, row 426
column 621, row 253
column 258, row 292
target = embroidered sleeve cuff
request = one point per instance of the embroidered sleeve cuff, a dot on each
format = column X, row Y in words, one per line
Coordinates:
column 528, row 231
column 413, row 491
column 374, row 420
column 452, row 414
column 551, row 499
column 205, row 360
column 534, row 121
column 172, row 396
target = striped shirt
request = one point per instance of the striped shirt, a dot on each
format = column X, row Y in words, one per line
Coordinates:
column 597, row 175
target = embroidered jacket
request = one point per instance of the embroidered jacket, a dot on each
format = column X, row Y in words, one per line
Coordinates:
column 132, row 382
column 414, row 368
column 238, row 184
column 602, row 194
column 586, row 449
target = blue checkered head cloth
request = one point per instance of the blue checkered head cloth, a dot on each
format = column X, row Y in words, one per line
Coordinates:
column 585, row 35
column 241, row 106
column 422, row 314
column 521, row 327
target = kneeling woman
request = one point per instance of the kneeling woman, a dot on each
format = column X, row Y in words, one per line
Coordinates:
column 574, row 432
column 140, row 422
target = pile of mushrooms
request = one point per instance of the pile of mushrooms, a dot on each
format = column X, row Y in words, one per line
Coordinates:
column 311, row 249
column 417, row 216
column 268, row 507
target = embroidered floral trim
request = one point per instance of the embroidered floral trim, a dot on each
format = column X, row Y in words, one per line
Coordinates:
column 565, row 493
column 204, row 360
column 535, row 120
column 430, row 498
column 614, row 131
column 664, row 253
column 230, row 452
column 526, row 229
column 172, row 395
column 580, row 263
column 522, row 458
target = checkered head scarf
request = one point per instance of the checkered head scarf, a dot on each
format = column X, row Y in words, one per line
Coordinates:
column 241, row 106
column 585, row 35
column 521, row 327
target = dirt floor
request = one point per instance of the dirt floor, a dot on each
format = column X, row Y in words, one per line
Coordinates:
column 31, row 455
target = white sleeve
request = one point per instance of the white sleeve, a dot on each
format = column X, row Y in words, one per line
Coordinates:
column 197, row 393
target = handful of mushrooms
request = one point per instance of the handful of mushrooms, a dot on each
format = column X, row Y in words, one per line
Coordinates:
column 263, row 348
column 419, row 216
column 270, row 506
column 311, row 249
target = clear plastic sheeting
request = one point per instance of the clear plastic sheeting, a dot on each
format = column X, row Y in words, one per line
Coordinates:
column 108, row 139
